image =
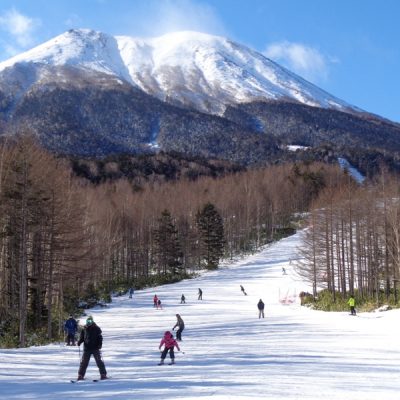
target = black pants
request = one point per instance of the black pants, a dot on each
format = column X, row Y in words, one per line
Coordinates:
column 179, row 333
column 352, row 310
column 71, row 339
column 85, row 362
column 171, row 353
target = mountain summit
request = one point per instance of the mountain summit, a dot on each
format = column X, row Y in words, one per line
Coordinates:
column 190, row 69
column 87, row 93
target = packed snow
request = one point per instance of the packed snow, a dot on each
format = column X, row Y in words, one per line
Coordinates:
column 195, row 69
column 227, row 351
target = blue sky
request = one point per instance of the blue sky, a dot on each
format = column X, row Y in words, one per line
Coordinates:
column 350, row 48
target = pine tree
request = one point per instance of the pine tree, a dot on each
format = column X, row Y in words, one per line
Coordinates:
column 211, row 231
column 167, row 247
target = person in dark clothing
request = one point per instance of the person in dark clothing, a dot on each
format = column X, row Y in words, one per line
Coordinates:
column 93, row 340
column 181, row 326
column 260, row 307
column 200, row 295
column 131, row 292
column 70, row 327
column 183, row 299
column 242, row 289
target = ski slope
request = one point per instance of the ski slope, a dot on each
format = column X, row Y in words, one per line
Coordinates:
column 294, row 353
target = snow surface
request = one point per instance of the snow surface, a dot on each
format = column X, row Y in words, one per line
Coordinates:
column 294, row 353
column 354, row 172
column 194, row 69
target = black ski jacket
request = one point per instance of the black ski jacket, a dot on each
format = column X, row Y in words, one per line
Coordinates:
column 91, row 337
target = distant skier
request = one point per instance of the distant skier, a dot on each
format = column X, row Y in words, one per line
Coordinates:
column 131, row 291
column 70, row 327
column 260, row 307
column 181, row 326
column 242, row 289
column 352, row 304
column 183, row 299
column 155, row 301
column 283, row 271
column 93, row 340
column 200, row 295
column 159, row 305
column 169, row 343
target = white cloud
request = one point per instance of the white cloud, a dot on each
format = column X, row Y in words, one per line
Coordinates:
column 19, row 27
column 73, row 21
column 179, row 15
column 304, row 60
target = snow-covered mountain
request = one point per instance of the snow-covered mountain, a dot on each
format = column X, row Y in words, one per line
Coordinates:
column 192, row 69
column 91, row 94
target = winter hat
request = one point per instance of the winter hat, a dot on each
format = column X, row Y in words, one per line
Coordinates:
column 89, row 320
column 167, row 333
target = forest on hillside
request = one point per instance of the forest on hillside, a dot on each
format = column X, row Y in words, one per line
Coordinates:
column 352, row 245
column 64, row 239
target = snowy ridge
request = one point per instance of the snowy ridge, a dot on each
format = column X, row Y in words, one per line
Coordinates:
column 189, row 68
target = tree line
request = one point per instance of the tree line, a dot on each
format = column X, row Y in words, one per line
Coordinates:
column 352, row 245
column 63, row 238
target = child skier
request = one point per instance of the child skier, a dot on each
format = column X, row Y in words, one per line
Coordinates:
column 183, row 299
column 169, row 343
column 155, row 301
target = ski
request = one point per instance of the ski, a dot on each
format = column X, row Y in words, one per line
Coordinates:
column 85, row 380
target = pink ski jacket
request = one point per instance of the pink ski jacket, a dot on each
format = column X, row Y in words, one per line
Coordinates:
column 169, row 341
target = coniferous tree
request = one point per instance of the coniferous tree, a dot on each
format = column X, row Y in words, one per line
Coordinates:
column 167, row 247
column 211, row 234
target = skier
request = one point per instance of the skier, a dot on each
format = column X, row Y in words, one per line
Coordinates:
column 183, row 299
column 169, row 343
column 155, row 301
column 131, row 292
column 283, row 271
column 93, row 341
column 200, row 295
column 260, row 307
column 181, row 326
column 159, row 306
column 70, row 327
column 242, row 289
column 352, row 304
